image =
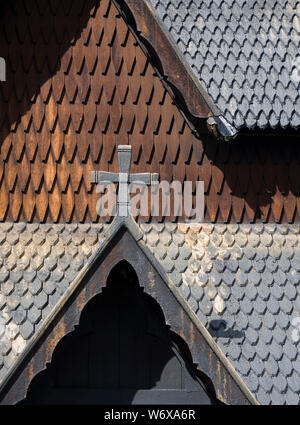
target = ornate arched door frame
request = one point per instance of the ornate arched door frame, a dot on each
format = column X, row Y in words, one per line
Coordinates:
column 122, row 352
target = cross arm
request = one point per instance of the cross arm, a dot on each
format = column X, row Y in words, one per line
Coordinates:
column 102, row 176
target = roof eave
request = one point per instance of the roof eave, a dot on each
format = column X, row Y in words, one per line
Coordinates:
column 173, row 68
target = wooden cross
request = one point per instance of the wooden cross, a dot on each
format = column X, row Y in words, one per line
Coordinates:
column 124, row 178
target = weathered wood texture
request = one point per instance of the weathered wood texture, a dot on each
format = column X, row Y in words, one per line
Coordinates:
column 121, row 349
column 78, row 84
column 124, row 248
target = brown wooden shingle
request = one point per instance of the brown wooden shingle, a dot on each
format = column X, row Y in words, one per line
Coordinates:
column 78, row 84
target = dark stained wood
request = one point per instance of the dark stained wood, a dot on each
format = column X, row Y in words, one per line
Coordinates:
column 173, row 68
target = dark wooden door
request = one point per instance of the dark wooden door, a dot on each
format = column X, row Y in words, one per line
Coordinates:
column 121, row 353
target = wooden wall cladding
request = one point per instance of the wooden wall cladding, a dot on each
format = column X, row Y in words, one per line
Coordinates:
column 78, row 84
column 123, row 247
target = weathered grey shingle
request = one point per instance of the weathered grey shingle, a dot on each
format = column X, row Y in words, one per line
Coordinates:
column 245, row 53
column 247, row 304
column 50, row 256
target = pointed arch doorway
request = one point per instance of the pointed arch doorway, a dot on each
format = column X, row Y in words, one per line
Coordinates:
column 122, row 352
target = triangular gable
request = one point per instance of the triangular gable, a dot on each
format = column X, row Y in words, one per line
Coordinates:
column 78, row 84
column 123, row 240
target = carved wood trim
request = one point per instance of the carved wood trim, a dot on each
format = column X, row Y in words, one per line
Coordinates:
column 123, row 247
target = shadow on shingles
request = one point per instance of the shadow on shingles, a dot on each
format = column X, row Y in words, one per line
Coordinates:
column 217, row 328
